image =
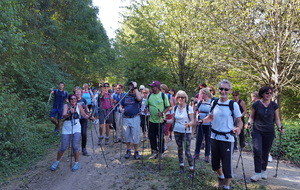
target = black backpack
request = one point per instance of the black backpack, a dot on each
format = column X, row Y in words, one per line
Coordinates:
column 162, row 96
column 215, row 102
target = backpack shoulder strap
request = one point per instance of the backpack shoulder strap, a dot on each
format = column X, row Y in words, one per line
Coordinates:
column 231, row 102
column 214, row 104
column 187, row 111
column 163, row 98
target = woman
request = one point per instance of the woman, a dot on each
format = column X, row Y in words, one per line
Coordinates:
column 203, row 108
column 144, row 116
column 223, row 129
column 87, row 95
column 72, row 127
column 164, row 89
column 264, row 113
column 183, row 115
column 243, row 109
column 117, row 96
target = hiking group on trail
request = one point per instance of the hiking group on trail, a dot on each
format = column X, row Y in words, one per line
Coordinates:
column 216, row 122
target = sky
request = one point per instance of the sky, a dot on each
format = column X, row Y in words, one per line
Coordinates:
column 109, row 14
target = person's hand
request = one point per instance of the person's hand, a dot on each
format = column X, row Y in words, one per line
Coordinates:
column 160, row 114
column 199, row 122
column 236, row 130
column 134, row 84
column 146, row 110
column 248, row 125
column 281, row 130
column 122, row 110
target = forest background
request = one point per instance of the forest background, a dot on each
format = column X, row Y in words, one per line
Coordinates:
column 178, row 42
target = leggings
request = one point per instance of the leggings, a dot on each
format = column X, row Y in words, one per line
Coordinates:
column 203, row 130
column 65, row 138
column 181, row 141
column 144, row 122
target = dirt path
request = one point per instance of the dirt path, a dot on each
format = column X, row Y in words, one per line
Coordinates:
column 93, row 173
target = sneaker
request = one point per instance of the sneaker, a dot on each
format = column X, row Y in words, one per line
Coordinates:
column 54, row 166
column 84, row 152
column 196, row 156
column 136, row 155
column 206, row 159
column 75, row 167
column 166, row 147
column 154, row 155
column 119, row 140
column 235, row 149
column 161, row 156
column 181, row 169
column 256, row 177
column 128, row 154
column 106, row 140
column 264, row 174
column 220, row 182
column 270, row 159
column 100, row 139
column 144, row 139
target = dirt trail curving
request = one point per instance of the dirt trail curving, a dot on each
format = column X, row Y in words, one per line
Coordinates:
column 93, row 173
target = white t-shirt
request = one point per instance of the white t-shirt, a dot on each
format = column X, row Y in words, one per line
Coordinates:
column 181, row 117
column 223, row 121
column 71, row 126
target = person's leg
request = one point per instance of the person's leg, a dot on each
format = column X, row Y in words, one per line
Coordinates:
column 257, row 150
column 64, row 144
column 161, row 143
column 206, row 131
column 83, row 123
column 226, row 157
column 199, row 131
column 179, row 141
column 267, row 141
column 152, row 135
column 188, row 150
column 76, row 139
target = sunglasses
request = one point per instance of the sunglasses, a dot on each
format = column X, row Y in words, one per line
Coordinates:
column 226, row 89
column 73, row 98
column 269, row 93
column 181, row 97
column 235, row 95
column 106, row 86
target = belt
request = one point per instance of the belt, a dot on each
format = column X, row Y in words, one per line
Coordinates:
column 130, row 116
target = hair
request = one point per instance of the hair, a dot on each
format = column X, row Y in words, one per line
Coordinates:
column 77, row 88
column 213, row 90
column 165, row 88
column 263, row 90
column 255, row 94
column 114, row 85
column 224, row 81
column 181, row 92
column 85, row 85
column 120, row 85
column 206, row 91
column 70, row 96
column 61, row 83
column 201, row 84
column 146, row 90
column 236, row 92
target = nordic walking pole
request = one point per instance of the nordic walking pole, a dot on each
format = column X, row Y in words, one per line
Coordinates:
column 241, row 150
column 279, row 150
column 101, row 147
column 194, row 158
column 92, row 132
column 71, row 140
column 143, row 142
column 160, row 145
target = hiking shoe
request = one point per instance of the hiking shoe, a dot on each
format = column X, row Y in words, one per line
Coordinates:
column 54, row 166
column 181, row 169
column 136, row 155
column 264, row 174
column 106, row 140
column 206, row 159
column 119, row 140
column 128, row 154
column 220, row 182
column 75, row 167
column 154, row 155
column 144, row 139
column 84, row 152
column 161, row 156
column 100, row 139
column 196, row 156
column 256, row 177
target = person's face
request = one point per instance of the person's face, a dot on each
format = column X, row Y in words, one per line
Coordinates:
column 78, row 94
column 268, row 95
column 224, row 90
column 145, row 93
column 86, row 87
column 73, row 100
column 155, row 89
column 118, row 89
column 235, row 96
column 61, row 86
column 171, row 92
column 254, row 98
column 202, row 95
column 181, row 98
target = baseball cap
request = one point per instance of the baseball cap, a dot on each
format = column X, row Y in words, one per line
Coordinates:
column 106, row 84
column 155, row 83
column 142, row 87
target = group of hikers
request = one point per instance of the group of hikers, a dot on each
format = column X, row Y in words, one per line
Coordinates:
column 217, row 123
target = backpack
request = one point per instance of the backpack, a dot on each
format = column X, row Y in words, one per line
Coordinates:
column 162, row 96
column 215, row 102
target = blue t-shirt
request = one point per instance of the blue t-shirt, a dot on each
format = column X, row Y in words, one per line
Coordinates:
column 59, row 98
column 204, row 110
column 131, row 105
column 117, row 98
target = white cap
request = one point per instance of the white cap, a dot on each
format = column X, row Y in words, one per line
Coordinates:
column 142, row 87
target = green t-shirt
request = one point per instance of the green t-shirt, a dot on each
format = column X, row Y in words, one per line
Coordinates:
column 155, row 103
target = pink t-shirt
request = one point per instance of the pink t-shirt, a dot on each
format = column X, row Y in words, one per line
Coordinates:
column 104, row 102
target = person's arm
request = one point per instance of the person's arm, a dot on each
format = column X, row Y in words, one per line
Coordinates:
column 251, row 118
column 191, row 123
column 66, row 112
column 207, row 119
column 138, row 95
column 239, row 126
column 244, row 108
column 277, row 121
column 82, row 112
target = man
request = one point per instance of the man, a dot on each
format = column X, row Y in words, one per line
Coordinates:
column 158, row 105
column 131, row 120
column 224, row 114
column 60, row 96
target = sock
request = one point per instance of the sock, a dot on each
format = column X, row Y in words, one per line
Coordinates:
column 226, row 187
column 191, row 167
column 181, row 164
column 221, row 176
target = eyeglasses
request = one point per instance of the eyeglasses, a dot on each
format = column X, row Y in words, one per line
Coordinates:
column 210, row 90
column 181, row 97
column 226, row 89
column 269, row 93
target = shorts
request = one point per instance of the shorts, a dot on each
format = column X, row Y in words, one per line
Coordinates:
column 56, row 112
column 168, row 125
column 102, row 115
column 131, row 127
